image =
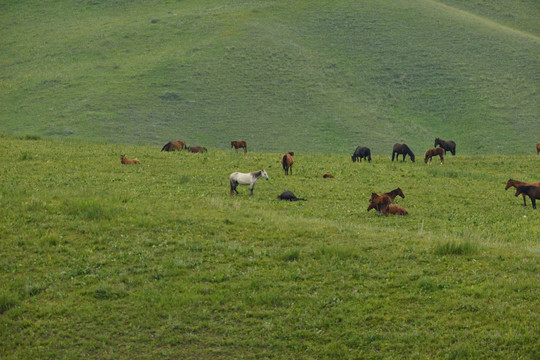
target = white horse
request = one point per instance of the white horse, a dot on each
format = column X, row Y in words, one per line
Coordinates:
column 238, row 178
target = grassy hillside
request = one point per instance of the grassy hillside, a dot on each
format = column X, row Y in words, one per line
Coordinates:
column 311, row 76
column 101, row 260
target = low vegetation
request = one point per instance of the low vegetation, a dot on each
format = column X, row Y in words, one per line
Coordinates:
column 104, row 260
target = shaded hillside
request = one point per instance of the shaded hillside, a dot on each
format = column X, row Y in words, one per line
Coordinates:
column 314, row 76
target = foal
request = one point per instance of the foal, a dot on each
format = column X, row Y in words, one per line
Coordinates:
column 516, row 183
column 434, row 152
column 532, row 191
column 127, row 161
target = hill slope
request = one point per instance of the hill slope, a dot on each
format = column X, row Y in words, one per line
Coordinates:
column 318, row 76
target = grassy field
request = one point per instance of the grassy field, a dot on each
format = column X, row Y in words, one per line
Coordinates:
column 102, row 260
column 312, row 76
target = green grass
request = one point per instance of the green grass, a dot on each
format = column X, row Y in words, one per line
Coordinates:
column 102, row 260
column 312, row 76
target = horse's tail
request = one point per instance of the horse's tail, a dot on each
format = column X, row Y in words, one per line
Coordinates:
column 284, row 162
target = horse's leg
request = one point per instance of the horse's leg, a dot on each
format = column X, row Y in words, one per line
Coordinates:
column 291, row 169
column 442, row 160
column 524, row 201
column 251, row 190
column 533, row 201
column 393, row 153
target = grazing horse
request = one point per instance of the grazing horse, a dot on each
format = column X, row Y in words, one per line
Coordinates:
column 239, row 144
column 238, row 178
column 434, row 152
column 402, row 149
column 197, row 149
column 537, row 148
column 532, row 191
column 516, row 183
column 395, row 210
column 174, row 145
column 361, row 152
column 287, row 161
column 449, row 145
column 127, row 161
column 288, row 195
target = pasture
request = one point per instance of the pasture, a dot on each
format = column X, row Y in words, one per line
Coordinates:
column 102, row 260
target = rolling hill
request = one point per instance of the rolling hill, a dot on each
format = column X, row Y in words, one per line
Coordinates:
column 309, row 76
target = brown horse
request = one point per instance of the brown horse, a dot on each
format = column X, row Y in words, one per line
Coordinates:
column 395, row 210
column 197, row 149
column 174, row 146
column 127, row 161
column 537, row 148
column 287, row 161
column 239, row 144
column 516, row 183
column 381, row 202
column 532, row 191
column 327, row 175
column 402, row 149
column 434, row 152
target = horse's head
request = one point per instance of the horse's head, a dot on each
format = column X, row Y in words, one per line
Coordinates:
column 412, row 156
column 264, row 174
column 437, row 141
column 373, row 196
column 509, row 183
column 371, row 205
column 291, row 153
column 400, row 193
column 233, row 143
column 353, row 158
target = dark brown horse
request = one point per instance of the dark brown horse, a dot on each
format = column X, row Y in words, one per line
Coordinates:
column 127, row 161
column 434, row 152
column 395, row 210
column 532, row 191
column 287, row 161
column 537, row 148
column 197, row 149
column 174, row 146
column 239, row 144
column 402, row 149
column 327, row 176
column 449, row 145
column 361, row 152
column 516, row 183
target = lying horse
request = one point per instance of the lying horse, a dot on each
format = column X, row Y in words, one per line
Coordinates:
column 327, row 176
column 516, row 183
column 449, row 145
column 402, row 149
column 381, row 202
column 239, row 144
column 238, row 178
column 361, row 152
column 174, row 145
column 537, row 148
column 127, row 161
column 288, row 195
column 395, row 210
column 434, row 152
column 532, row 191
column 287, row 161
column 197, row 149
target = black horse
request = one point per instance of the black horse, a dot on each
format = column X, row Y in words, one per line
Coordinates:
column 402, row 149
column 361, row 152
column 449, row 145
column 532, row 191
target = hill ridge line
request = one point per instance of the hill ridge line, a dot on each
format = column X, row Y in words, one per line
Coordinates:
column 484, row 20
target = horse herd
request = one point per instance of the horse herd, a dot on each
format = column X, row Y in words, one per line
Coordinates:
column 380, row 202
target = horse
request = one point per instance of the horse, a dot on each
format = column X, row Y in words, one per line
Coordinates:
column 288, row 195
column 239, row 144
column 238, row 178
column 395, row 210
column 287, row 161
column 361, row 152
column 327, row 176
column 449, row 145
column 516, row 183
column 538, row 148
column 402, row 149
column 434, row 152
column 532, row 191
column 197, row 149
column 174, row 145
column 381, row 202
column 127, row 161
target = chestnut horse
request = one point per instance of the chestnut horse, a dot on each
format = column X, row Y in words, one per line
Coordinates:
column 381, row 202
column 516, row 183
column 434, row 152
column 532, row 191
column 239, row 144
column 197, row 149
column 287, row 161
column 127, row 161
column 174, row 146
column 537, row 148
column 361, row 152
column 402, row 149
column 449, row 145
column 395, row 210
